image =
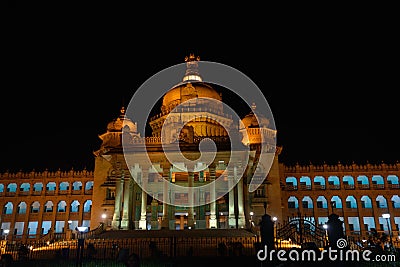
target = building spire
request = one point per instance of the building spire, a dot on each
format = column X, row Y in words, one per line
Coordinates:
column 122, row 110
column 192, row 68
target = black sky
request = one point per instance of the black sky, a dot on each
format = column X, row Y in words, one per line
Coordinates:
column 332, row 93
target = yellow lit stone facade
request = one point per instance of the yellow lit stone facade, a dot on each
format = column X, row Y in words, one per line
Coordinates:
column 38, row 202
column 35, row 203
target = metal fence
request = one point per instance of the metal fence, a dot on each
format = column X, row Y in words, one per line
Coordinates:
column 119, row 249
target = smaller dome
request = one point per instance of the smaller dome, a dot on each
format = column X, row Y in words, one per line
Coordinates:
column 122, row 122
column 254, row 119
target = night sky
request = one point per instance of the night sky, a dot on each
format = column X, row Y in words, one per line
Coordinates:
column 332, row 94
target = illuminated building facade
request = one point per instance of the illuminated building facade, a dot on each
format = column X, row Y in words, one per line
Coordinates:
column 38, row 202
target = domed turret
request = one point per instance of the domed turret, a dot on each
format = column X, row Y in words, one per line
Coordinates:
column 122, row 122
column 254, row 119
column 255, row 128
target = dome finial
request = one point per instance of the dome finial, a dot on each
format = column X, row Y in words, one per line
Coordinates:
column 192, row 71
column 253, row 106
column 122, row 112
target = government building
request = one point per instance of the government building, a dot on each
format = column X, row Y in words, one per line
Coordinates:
column 36, row 203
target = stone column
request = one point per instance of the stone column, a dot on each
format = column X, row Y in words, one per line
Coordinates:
column 190, row 198
column 143, row 212
column 119, row 187
column 241, row 216
column 127, row 207
column 231, row 216
column 166, row 180
column 213, row 204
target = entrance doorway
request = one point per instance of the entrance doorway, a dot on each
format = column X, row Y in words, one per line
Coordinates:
column 181, row 220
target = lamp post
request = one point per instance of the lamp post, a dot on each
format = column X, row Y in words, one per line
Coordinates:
column 6, row 232
column 325, row 226
column 387, row 217
column 275, row 219
column 251, row 219
column 81, row 245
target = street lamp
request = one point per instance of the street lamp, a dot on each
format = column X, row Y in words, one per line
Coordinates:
column 251, row 219
column 325, row 226
column 6, row 232
column 387, row 217
column 274, row 219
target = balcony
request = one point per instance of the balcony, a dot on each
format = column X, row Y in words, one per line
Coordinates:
column 378, row 186
column 319, row 187
column 305, row 187
column 334, row 186
column 394, row 186
column 349, row 186
column 290, row 187
column 363, row 186
column 89, row 192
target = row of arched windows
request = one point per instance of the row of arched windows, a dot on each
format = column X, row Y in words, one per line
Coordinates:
column 350, row 202
column 346, row 180
column 50, row 186
column 49, row 206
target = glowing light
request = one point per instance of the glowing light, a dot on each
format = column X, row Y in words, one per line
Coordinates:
column 325, row 226
column 103, row 215
column 274, row 219
column 386, row 215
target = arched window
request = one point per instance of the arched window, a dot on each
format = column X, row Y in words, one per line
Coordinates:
column 61, row 206
column 291, row 183
column 396, row 202
column 8, row 208
column 89, row 185
column 334, row 182
column 305, row 182
column 48, row 207
column 1, row 188
column 293, row 202
column 51, row 186
column 336, row 202
column 37, row 187
column 381, row 202
column 319, row 180
column 35, row 207
column 351, row 202
column 12, row 187
column 77, row 185
column 366, row 202
column 322, row 203
column 64, row 186
column 348, row 182
column 307, row 202
column 75, row 206
column 393, row 180
column 377, row 181
column 87, row 206
column 21, row 208
column 362, row 182
column 25, row 187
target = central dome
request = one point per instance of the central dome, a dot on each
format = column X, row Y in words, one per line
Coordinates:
column 186, row 91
